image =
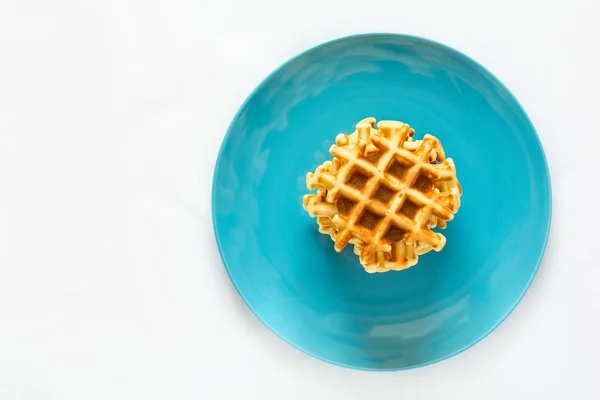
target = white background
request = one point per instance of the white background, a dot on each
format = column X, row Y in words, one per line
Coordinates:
column 111, row 117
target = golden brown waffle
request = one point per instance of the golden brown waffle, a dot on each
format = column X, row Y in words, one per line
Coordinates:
column 383, row 192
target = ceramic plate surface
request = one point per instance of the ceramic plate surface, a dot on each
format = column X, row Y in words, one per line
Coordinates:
column 323, row 302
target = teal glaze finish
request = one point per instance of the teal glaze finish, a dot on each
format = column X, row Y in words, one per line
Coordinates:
column 323, row 302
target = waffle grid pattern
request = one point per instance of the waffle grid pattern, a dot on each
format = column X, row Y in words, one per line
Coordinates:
column 384, row 190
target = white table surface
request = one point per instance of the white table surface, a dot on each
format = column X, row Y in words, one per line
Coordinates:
column 111, row 116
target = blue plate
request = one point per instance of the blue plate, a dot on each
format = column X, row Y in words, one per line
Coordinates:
column 325, row 303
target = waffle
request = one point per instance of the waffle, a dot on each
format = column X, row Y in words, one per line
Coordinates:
column 383, row 192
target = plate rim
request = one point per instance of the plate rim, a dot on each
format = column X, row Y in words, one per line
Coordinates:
column 427, row 41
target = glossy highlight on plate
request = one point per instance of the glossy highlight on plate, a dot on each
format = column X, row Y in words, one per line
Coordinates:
column 323, row 302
